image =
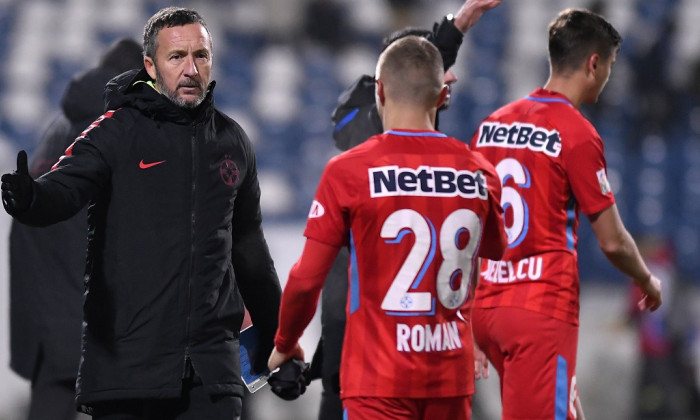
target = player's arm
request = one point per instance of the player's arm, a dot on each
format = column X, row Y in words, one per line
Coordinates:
column 300, row 299
column 481, row 362
column 579, row 409
column 471, row 11
column 620, row 249
column 449, row 33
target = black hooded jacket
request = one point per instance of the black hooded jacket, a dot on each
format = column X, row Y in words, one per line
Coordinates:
column 355, row 117
column 175, row 240
column 47, row 264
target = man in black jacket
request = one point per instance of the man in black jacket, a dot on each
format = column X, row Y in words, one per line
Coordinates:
column 175, row 236
column 355, row 119
column 47, row 264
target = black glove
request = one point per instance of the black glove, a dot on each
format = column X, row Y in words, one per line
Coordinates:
column 17, row 187
column 447, row 38
column 290, row 380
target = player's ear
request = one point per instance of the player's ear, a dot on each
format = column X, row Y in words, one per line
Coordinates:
column 380, row 95
column 443, row 95
column 592, row 63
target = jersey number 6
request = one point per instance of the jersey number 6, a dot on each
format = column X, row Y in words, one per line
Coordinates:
column 510, row 198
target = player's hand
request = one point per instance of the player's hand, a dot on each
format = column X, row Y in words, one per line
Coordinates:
column 482, row 5
column 290, row 380
column 277, row 358
column 651, row 298
column 471, row 11
column 481, row 364
column 17, row 187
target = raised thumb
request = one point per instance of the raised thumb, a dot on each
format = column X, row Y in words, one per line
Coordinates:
column 22, row 167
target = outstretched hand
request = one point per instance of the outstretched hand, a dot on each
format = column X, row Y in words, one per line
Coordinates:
column 483, row 5
column 17, row 187
column 471, row 11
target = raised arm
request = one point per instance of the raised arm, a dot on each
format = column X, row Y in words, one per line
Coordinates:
column 471, row 11
column 448, row 34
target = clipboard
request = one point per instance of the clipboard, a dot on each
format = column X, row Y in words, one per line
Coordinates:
column 248, row 346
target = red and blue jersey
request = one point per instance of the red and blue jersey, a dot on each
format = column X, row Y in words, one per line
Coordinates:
column 551, row 165
column 416, row 210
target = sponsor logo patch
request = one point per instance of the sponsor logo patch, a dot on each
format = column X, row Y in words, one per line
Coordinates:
column 426, row 181
column 519, row 136
column 317, row 210
column 603, row 182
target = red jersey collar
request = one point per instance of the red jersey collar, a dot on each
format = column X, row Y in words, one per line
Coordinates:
column 544, row 95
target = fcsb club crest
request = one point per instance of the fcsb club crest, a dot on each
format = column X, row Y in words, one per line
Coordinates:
column 229, row 172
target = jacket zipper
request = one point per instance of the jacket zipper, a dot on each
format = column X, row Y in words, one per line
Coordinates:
column 193, row 145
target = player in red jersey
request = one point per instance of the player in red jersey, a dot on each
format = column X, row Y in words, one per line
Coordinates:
column 416, row 208
column 551, row 165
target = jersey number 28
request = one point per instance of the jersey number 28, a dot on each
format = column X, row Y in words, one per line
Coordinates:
column 457, row 260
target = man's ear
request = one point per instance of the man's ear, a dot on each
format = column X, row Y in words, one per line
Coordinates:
column 150, row 67
column 592, row 63
column 443, row 95
column 381, row 97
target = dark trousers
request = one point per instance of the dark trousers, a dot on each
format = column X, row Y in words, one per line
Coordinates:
column 194, row 404
column 53, row 400
column 333, row 302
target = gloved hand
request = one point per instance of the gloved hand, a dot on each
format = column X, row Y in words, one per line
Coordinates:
column 447, row 38
column 290, row 380
column 17, row 187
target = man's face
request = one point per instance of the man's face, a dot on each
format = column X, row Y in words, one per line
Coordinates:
column 450, row 79
column 182, row 64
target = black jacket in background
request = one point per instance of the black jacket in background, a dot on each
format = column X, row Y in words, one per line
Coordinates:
column 355, row 117
column 175, row 240
column 47, row 265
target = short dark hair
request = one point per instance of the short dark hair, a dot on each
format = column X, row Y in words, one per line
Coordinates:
column 575, row 34
column 167, row 18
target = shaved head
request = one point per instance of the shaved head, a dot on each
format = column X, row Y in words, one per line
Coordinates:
column 411, row 71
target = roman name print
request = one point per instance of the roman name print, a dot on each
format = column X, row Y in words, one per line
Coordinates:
column 428, row 338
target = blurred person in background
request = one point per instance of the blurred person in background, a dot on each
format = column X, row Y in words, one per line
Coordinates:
column 355, row 119
column 47, row 265
column 407, row 352
column 667, row 386
column 175, row 240
column 551, row 163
